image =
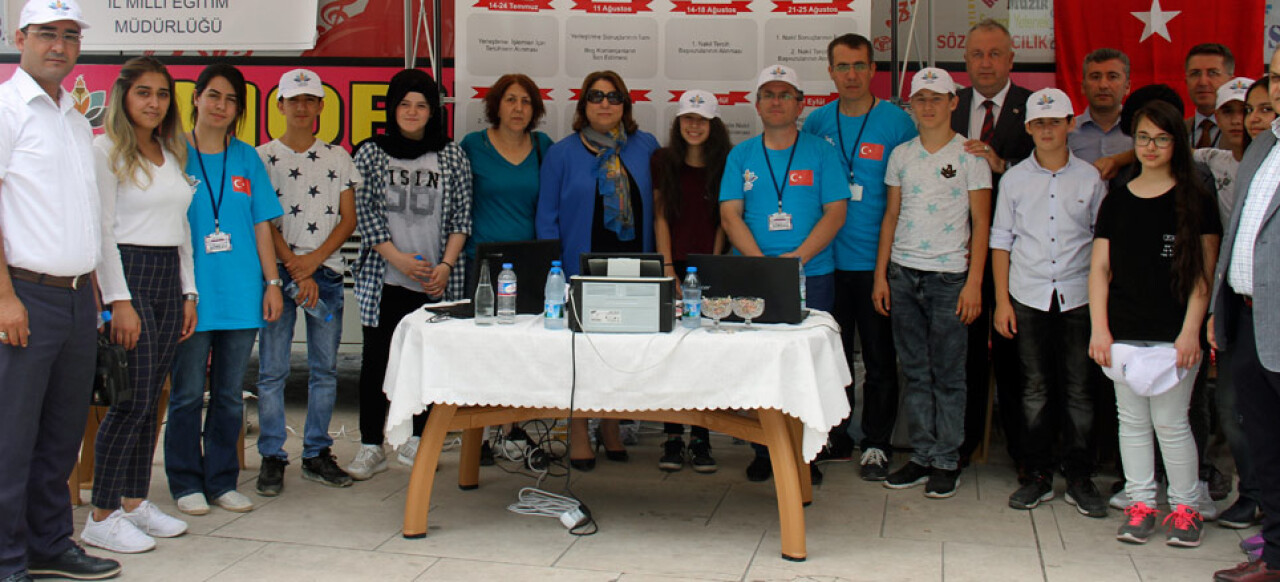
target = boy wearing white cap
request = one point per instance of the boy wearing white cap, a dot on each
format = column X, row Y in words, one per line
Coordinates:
column 1223, row 160
column 928, row 278
column 316, row 183
column 1041, row 243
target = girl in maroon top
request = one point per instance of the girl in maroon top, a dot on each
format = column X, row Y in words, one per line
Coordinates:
column 686, row 220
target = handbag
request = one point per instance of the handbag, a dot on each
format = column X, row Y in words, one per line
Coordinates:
column 111, row 376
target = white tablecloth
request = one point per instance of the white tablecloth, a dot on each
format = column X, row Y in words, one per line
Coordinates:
column 799, row 369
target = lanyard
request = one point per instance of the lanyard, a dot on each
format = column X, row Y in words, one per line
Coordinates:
column 853, row 154
column 786, row 174
column 222, row 185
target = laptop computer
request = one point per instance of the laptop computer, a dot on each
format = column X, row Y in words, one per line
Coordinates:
column 775, row 279
column 530, row 259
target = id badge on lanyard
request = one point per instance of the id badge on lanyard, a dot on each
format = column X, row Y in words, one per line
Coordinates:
column 218, row 242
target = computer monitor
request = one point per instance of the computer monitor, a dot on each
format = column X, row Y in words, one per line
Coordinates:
column 775, row 279
column 597, row 264
column 530, row 259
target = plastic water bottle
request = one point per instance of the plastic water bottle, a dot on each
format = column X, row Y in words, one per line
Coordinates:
column 802, row 289
column 104, row 317
column 321, row 310
column 507, row 294
column 692, row 292
column 484, row 296
column 553, row 315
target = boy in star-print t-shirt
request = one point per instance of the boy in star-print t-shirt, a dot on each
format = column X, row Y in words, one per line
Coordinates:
column 928, row 279
column 315, row 182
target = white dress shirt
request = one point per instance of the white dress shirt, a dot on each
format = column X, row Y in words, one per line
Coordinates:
column 978, row 112
column 49, row 209
column 1045, row 220
column 1256, row 202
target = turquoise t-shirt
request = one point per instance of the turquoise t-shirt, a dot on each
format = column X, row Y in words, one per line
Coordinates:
column 816, row 178
column 505, row 194
column 886, row 127
column 230, row 283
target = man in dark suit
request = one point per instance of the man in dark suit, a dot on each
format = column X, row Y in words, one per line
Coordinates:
column 1208, row 66
column 992, row 114
column 1246, row 307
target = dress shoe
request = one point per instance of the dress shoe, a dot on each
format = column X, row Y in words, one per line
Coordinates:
column 1248, row 572
column 19, row 576
column 583, row 465
column 74, row 564
column 620, row 456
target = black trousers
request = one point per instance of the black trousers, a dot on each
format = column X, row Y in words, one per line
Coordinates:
column 857, row 316
column 1002, row 357
column 1258, row 397
column 1053, row 350
column 44, row 389
column 396, row 303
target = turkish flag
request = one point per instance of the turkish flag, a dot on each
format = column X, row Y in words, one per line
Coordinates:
column 1156, row 34
column 871, row 151
column 800, row 178
column 241, row 184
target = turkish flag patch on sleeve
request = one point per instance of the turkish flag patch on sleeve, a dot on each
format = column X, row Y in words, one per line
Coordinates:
column 871, row 151
column 800, row 178
column 241, row 184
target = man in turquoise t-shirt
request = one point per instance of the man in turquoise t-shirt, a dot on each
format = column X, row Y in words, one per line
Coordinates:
column 783, row 195
column 864, row 130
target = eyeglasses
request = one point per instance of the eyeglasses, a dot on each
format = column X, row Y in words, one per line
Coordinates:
column 842, row 68
column 1194, row 74
column 52, row 36
column 1162, row 141
column 614, row 97
column 783, row 96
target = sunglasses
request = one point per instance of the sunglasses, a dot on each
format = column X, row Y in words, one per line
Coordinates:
column 614, row 97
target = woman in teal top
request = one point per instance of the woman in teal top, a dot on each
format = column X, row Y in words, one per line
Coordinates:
column 505, row 159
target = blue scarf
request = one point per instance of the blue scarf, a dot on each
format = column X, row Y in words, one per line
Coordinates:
column 612, row 182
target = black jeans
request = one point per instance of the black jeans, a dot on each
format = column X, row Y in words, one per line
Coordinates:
column 856, row 314
column 1258, row 393
column 1053, row 350
column 396, row 303
column 1232, row 423
column 1002, row 357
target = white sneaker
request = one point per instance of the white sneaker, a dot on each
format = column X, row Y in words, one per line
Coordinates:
column 116, row 534
column 193, row 504
column 370, row 460
column 408, row 451
column 1204, row 502
column 234, row 501
column 1119, row 501
column 155, row 523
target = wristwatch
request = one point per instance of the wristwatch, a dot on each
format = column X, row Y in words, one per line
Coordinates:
column 276, row 282
column 192, row 297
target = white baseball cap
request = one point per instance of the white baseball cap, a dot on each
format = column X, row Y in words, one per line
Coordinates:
column 1148, row 371
column 782, row 73
column 1236, row 89
column 933, row 79
column 1049, row 102
column 46, row 11
column 300, row 82
column 703, row 103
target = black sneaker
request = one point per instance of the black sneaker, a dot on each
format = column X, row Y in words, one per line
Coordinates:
column 815, row 474
column 19, row 576
column 486, row 454
column 760, row 469
column 1085, row 496
column 875, row 465
column 1244, row 513
column 74, row 564
column 834, row 454
column 1219, row 483
column 942, row 483
column 672, row 458
column 1186, row 527
column 323, row 468
column 271, row 476
column 700, row 456
column 1039, row 488
column 908, row 476
column 1139, row 523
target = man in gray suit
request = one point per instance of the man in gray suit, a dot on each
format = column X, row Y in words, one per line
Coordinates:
column 1246, row 307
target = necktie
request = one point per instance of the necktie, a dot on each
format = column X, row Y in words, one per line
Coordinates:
column 988, row 122
column 1206, row 134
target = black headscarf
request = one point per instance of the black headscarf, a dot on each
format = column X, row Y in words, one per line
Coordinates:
column 434, row 138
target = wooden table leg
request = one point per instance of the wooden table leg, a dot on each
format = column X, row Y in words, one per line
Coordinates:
column 469, row 459
column 796, row 430
column 786, row 479
column 423, row 476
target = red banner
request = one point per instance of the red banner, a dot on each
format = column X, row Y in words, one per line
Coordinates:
column 820, row 100
column 612, row 7
column 514, row 5
column 637, row 95
column 695, row 8
column 1156, row 35
column 482, row 92
column 724, row 99
column 811, row 8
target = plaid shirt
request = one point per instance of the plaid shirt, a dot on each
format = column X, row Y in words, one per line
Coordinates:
column 371, row 222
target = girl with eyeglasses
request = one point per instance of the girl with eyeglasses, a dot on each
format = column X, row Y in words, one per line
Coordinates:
column 596, row 195
column 1156, row 242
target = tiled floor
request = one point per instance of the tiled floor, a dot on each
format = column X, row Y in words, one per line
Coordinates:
column 655, row 526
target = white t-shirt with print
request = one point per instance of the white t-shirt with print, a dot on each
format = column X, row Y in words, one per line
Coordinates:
column 309, row 186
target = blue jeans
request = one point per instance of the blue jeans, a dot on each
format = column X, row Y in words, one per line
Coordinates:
column 932, row 344
column 205, row 461
column 274, row 346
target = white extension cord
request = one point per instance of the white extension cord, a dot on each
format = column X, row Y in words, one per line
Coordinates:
column 531, row 501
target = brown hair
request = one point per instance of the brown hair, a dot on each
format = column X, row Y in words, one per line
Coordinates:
column 580, row 113
column 493, row 100
column 125, row 159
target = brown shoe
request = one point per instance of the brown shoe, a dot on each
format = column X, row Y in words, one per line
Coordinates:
column 1248, row 572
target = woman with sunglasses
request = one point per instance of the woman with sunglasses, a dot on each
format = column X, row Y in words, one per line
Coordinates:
column 235, row 266
column 1156, row 242
column 596, row 195
column 146, row 277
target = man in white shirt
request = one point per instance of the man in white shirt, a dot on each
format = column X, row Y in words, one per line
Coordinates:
column 49, row 224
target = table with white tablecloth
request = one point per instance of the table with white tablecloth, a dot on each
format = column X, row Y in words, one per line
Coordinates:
column 782, row 385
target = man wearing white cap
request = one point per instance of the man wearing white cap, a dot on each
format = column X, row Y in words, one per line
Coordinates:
column 928, row 279
column 316, row 185
column 1224, row 159
column 1041, row 243
column 49, row 225
column 784, row 194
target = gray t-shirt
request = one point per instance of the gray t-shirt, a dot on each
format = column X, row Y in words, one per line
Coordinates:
column 1223, row 165
column 414, row 197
